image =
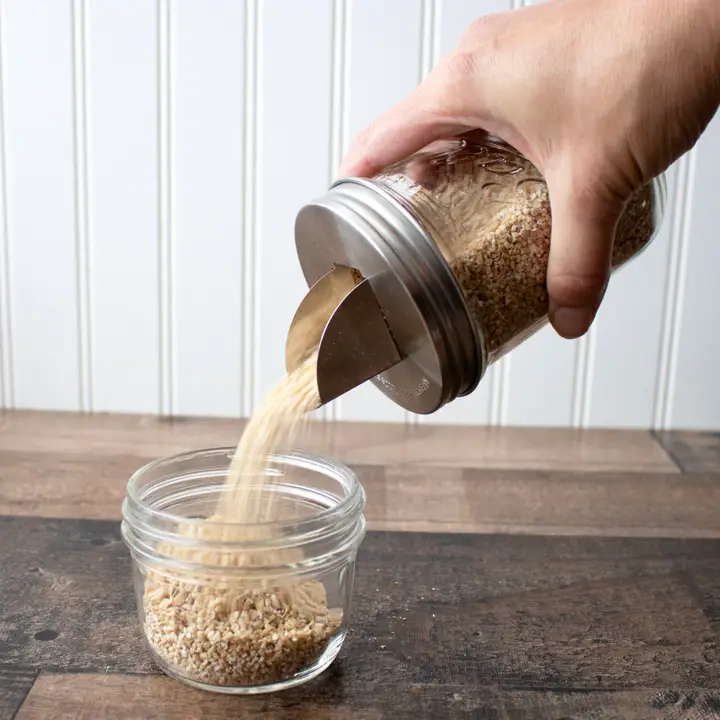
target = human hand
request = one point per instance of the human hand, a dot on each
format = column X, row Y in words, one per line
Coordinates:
column 601, row 95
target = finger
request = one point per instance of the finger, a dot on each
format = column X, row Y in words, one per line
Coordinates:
column 421, row 118
column 584, row 219
column 395, row 136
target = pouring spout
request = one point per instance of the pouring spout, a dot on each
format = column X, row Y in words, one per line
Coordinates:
column 341, row 320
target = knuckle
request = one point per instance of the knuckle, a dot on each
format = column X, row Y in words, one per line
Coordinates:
column 450, row 90
column 365, row 137
column 360, row 159
column 365, row 143
column 577, row 289
column 480, row 27
column 596, row 198
column 592, row 182
column 460, row 64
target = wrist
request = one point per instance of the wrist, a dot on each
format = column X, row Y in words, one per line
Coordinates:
column 699, row 23
column 709, row 25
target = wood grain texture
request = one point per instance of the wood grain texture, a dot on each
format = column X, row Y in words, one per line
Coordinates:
column 434, row 614
column 88, row 697
column 411, row 498
column 66, row 599
column 64, row 485
column 355, row 443
column 538, row 574
column 114, row 697
column 693, row 452
column 542, row 502
column 15, row 684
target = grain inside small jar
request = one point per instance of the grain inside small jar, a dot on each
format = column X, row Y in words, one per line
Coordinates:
column 208, row 625
column 236, row 636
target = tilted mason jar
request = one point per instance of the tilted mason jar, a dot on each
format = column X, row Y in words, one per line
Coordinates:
column 452, row 248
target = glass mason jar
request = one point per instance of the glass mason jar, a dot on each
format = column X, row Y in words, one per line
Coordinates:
column 455, row 242
column 239, row 608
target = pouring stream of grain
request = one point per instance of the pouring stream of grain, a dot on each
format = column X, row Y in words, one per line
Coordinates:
column 274, row 424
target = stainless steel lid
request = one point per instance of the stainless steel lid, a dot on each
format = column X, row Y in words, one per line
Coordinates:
column 400, row 278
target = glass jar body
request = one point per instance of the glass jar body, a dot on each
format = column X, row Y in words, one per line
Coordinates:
column 487, row 209
column 243, row 608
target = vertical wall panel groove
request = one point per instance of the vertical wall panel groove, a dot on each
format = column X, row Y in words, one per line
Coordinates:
column 292, row 120
column 208, row 119
column 117, row 166
column 505, row 391
column 581, row 381
column 499, row 380
column 250, row 199
column 428, row 49
column 436, row 37
column 501, row 377
column 675, row 320
column 81, row 208
column 672, row 285
column 427, row 38
column 338, row 125
column 37, row 47
column 256, row 345
column 584, row 420
column 693, row 395
column 165, row 262
column 381, row 73
column 6, row 368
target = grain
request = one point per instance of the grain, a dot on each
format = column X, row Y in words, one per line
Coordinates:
column 220, row 627
column 487, row 209
column 273, row 425
column 237, row 636
column 502, row 270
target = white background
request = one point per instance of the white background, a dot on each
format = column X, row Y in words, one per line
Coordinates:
column 153, row 156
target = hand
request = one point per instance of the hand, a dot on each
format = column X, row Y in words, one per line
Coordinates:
column 601, row 95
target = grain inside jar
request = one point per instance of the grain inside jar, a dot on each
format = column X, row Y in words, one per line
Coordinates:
column 487, row 208
column 224, row 629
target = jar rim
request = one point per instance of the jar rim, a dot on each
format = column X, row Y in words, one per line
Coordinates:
column 163, row 541
column 354, row 500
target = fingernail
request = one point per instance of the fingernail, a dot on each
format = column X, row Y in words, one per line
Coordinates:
column 572, row 322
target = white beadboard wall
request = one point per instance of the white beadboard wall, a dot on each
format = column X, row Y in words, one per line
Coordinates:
column 153, row 154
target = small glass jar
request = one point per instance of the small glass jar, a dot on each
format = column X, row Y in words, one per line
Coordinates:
column 241, row 608
column 454, row 242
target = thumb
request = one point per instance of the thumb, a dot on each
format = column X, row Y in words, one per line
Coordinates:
column 584, row 219
column 409, row 126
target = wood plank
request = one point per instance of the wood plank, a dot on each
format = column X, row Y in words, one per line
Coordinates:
column 694, row 452
column 402, row 498
column 408, row 498
column 66, row 598
column 15, row 684
column 112, row 697
column 115, row 697
column 64, row 485
column 500, row 448
column 533, row 613
column 355, row 443
column 99, row 435
column 614, row 705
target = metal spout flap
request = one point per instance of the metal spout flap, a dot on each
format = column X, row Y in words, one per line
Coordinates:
column 341, row 318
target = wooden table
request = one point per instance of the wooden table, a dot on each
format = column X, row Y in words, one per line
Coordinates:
column 506, row 574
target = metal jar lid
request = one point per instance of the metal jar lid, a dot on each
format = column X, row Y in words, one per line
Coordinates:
column 359, row 224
